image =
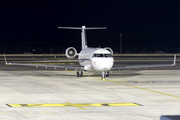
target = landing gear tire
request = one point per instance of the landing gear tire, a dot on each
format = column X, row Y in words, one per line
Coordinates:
column 79, row 74
column 107, row 74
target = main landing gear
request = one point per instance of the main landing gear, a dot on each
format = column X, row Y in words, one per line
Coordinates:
column 104, row 75
column 79, row 73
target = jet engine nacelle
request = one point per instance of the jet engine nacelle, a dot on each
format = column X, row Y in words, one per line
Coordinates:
column 109, row 49
column 71, row 52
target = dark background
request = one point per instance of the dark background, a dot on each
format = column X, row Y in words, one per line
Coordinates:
column 146, row 26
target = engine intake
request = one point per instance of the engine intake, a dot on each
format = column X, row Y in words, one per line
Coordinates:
column 71, row 52
column 109, row 49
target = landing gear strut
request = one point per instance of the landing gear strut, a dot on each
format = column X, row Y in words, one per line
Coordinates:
column 104, row 75
column 80, row 74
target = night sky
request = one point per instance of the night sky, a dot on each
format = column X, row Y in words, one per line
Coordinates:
column 143, row 24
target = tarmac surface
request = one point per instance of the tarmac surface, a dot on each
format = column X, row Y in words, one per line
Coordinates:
column 29, row 93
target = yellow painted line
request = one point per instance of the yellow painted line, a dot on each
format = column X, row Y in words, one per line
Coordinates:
column 79, row 105
column 70, row 71
column 42, row 112
column 2, row 113
column 81, row 108
column 143, row 88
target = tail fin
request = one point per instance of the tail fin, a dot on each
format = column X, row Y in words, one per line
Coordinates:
column 5, row 59
column 174, row 60
column 83, row 33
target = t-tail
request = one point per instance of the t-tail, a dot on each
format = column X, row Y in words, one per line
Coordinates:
column 83, row 33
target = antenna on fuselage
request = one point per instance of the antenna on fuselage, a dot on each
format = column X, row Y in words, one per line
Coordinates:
column 83, row 33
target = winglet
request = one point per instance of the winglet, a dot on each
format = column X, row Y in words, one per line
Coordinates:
column 174, row 60
column 5, row 59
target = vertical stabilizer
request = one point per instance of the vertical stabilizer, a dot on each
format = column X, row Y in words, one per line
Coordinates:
column 83, row 38
column 83, row 33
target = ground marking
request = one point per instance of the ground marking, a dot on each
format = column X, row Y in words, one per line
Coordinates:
column 136, row 87
column 2, row 113
column 79, row 105
column 143, row 88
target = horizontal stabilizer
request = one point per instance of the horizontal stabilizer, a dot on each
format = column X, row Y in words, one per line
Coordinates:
column 83, row 27
column 83, row 33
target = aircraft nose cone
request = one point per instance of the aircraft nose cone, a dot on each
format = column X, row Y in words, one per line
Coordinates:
column 103, row 64
column 106, row 66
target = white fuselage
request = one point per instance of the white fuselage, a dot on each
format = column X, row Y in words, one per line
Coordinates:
column 96, row 59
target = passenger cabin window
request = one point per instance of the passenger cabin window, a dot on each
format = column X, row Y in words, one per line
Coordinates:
column 102, row 55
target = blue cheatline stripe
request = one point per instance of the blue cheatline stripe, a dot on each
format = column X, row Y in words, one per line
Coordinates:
column 82, row 60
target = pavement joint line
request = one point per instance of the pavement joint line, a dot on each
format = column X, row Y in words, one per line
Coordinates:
column 81, row 107
column 85, row 75
column 143, row 89
column 2, row 113
column 139, row 87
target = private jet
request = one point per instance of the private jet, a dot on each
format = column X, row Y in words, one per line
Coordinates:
column 91, row 59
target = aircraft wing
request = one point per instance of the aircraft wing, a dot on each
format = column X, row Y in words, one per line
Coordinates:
column 43, row 65
column 145, row 66
column 54, row 66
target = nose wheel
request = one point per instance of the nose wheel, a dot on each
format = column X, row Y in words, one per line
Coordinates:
column 80, row 74
column 107, row 74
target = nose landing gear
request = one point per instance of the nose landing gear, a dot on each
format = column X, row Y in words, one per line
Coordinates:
column 104, row 75
column 80, row 74
column 107, row 74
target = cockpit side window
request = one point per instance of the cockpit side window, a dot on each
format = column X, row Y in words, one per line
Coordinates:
column 94, row 55
column 97, row 55
column 102, row 55
column 107, row 55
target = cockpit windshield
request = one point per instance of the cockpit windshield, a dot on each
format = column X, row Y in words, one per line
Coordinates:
column 107, row 55
column 102, row 55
